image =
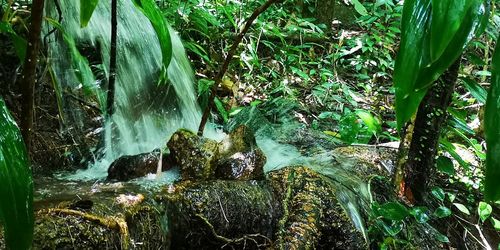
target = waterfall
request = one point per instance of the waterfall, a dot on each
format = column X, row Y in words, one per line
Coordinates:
column 146, row 114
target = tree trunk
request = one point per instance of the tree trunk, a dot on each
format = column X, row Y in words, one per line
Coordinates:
column 28, row 79
column 112, row 61
column 418, row 164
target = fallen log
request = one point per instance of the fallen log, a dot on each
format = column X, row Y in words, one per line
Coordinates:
column 292, row 209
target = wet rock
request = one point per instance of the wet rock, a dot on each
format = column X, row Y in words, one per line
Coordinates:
column 134, row 166
column 240, row 158
column 196, row 156
column 242, row 166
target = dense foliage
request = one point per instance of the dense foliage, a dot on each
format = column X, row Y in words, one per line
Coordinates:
column 336, row 76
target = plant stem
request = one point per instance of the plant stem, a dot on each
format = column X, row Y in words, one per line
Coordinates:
column 28, row 79
column 229, row 57
column 112, row 61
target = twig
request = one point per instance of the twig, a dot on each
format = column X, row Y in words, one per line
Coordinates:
column 486, row 245
column 229, row 57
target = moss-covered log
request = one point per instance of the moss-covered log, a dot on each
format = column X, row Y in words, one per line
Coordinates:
column 292, row 209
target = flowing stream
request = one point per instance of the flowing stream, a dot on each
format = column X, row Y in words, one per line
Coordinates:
column 147, row 114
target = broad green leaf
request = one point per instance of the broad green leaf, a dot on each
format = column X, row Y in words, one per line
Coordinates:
column 155, row 16
column 445, row 165
column 447, row 17
column 393, row 211
column 370, row 121
column 438, row 193
column 414, row 25
column 393, row 228
column 439, row 236
column 416, row 69
column 442, row 212
column 462, row 208
column 495, row 223
column 492, row 132
column 484, row 210
column 16, row 185
column 87, row 8
column 359, row 7
column 476, row 90
column 451, row 149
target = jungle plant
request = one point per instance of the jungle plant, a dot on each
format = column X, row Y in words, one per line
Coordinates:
column 16, row 189
column 434, row 34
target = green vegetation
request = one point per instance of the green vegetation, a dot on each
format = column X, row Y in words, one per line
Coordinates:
column 16, row 190
column 423, row 73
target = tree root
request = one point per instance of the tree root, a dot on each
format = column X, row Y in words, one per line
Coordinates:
column 110, row 222
column 242, row 240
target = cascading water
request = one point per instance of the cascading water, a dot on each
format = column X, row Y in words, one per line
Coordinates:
column 145, row 114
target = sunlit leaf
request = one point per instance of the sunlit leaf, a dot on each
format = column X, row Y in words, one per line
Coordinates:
column 16, row 185
column 359, row 7
column 87, row 8
column 420, row 214
column 492, row 132
column 484, row 210
column 462, row 208
column 370, row 121
column 447, row 17
column 495, row 223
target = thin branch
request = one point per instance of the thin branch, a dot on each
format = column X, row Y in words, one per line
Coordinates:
column 229, row 57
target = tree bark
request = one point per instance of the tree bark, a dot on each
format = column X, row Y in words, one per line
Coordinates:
column 419, row 164
column 28, row 78
column 112, row 61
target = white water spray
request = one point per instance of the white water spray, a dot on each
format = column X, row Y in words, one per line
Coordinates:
column 145, row 114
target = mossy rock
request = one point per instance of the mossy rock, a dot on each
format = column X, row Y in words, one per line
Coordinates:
column 196, row 156
column 240, row 158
